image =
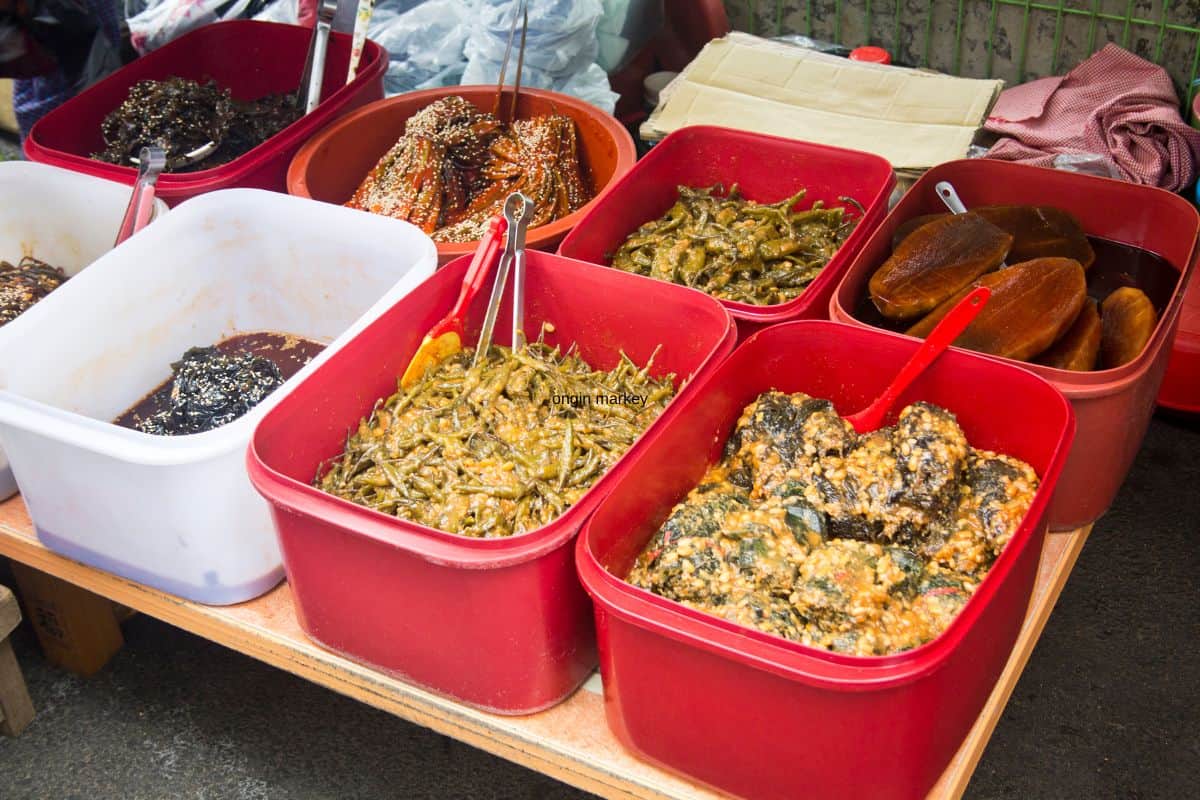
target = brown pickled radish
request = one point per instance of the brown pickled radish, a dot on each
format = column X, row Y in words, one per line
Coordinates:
column 1127, row 320
column 1079, row 347
column 910, row 225
column 1037, row 231
column 1033, row 303
column 936, row 261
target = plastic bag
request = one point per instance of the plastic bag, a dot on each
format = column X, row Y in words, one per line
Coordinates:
column 560, row 48
column 425, row 41
column 1085, row 163
column 560, row 40
column 156, row 22
column 286, row 11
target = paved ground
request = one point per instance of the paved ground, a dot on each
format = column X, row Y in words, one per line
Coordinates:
column 1108, row 707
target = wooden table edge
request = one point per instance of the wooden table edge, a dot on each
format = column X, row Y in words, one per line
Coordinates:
column 502, row 736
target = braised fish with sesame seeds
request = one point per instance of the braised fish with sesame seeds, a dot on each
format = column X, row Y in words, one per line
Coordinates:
column 865, row 544
column 454, row 167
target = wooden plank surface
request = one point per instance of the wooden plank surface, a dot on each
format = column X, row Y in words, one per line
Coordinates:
column 570, row 742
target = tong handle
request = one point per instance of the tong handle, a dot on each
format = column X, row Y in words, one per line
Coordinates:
column 313, row 76
column 514, row 252
column 151, row 162
column 518, row 314
column 481, row 266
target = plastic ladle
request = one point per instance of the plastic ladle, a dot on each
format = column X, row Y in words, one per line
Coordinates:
column 946, row 331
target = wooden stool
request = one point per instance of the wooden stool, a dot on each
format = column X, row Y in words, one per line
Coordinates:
column 16, row 709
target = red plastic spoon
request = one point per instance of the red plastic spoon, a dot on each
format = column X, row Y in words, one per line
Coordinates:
column 445, row 338
column 943, row 334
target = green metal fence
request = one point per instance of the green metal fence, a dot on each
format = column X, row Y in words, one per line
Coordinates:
column 1017, row 40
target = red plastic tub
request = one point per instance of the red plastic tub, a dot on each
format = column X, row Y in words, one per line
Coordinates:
column 333, row 164
column 1181, row 385
column 762, row 717
column 501, row 624
column 767, row 169
column 247, row 57
column 1113, row 407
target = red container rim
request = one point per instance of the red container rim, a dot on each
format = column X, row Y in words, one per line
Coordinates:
column 625, row 158
column 1093, row 383
column 463, row 552
column 776, row 312
column 792, row 660
column 373, row 65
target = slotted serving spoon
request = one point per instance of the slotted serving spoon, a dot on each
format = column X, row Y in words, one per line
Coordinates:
column 941, row 337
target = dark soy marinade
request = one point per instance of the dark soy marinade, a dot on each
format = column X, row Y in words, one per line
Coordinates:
column 866, row 544
column 213, row 386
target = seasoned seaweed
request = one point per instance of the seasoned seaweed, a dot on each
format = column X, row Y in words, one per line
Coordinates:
column 209, row 389
column 24, row 283
column 181, row 116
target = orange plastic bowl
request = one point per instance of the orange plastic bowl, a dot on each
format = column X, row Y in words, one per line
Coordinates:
column 335, row 161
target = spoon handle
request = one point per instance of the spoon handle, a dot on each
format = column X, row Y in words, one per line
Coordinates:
column 945, row 190
column 946, row 331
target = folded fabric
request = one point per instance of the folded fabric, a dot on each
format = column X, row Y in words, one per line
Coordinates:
column 1114, row 104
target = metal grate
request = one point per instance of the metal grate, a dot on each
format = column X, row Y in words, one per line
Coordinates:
column 1017, row 40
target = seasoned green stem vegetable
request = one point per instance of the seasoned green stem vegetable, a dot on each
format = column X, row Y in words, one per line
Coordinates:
column 864, row 544
column 736, row 249
column 497, row 450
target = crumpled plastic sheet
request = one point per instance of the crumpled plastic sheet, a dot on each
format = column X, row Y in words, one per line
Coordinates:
column 452, row 42
column 1085, row 163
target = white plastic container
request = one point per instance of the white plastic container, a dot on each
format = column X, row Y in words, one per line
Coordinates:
column 178, row 513
column 64, row 218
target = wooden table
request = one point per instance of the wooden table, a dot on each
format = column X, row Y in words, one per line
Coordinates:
column 570, row 742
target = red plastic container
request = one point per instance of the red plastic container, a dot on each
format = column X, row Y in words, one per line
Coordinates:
column 247, row 57
column 761, row 717
column 1113, row 407
column 501, row 624
column 767, row 169
column 1181, row 385
column 331, row 166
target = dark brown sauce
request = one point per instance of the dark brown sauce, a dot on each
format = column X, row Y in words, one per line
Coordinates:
column 287, row 351
column 1116, row 265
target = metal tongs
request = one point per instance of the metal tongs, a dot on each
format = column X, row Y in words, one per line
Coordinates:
column 520, row 9
column 518, row 209
column 152, row 161
column 308, row 94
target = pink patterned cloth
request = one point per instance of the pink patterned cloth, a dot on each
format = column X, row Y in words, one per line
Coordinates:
column 1114, row 103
